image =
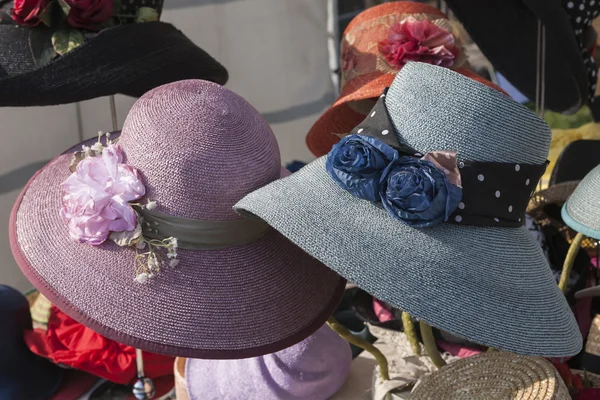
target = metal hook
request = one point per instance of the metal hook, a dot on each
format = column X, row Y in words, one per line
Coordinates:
column 143, row 389
column 113, row 113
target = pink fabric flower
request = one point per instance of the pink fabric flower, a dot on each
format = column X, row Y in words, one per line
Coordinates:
column 418, row 40
column 97, row 195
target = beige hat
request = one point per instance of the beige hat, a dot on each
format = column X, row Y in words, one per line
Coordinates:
column 494, row 376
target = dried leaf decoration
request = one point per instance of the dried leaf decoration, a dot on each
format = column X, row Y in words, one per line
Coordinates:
column 146, row 14
column 66, row 40
column 40, row 43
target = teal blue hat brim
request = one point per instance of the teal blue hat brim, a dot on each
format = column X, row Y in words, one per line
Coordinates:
column 578, row 226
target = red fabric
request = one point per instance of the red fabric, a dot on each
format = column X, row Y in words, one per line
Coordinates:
column 382, row 311
column 458, row 350
column 74, row 385
column 70, row 343
column 575, row 384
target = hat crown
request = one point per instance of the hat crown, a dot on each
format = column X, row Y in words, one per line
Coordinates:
column 200, row 148
column 434, row 108
column 584, row 202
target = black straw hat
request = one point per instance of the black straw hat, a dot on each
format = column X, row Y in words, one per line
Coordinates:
column 53, row 60
column 23, row 375
column 506, row 31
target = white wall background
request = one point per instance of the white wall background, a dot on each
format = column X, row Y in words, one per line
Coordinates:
column 276, row 54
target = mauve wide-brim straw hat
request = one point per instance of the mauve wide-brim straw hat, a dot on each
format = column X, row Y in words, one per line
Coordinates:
column 198, row 148
column 487, row 282
column 129, row 59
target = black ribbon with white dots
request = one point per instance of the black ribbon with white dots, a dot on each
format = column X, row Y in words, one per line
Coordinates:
column 582, row 14
column 494, row 194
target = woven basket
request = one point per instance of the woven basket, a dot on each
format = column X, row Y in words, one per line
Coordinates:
column 494, row 376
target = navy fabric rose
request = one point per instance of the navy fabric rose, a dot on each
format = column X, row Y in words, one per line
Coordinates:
column 417, row 192
column 357, row 162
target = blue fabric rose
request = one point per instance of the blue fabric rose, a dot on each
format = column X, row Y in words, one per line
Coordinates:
column 417, row 192
column 356, row 164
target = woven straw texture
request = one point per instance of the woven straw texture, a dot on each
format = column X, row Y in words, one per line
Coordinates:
column 545, row 207
column 490, row 285
column 592, row 344
column 594, row 379
column 313, row 369
column 368, row 73
column 200, row 148
column 497, row 25
column 581, row 212
column 494, row 376
column 130, row 59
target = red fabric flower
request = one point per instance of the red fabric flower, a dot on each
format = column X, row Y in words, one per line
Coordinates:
column 413, row 40
column 26, row 12
column 89, row 14
column 70, row 343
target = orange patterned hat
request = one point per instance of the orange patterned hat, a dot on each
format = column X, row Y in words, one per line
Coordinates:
column 375, row 46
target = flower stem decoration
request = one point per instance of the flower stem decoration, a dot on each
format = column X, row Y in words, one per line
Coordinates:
column 98, row 205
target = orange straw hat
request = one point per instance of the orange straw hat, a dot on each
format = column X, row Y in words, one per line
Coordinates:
column 375, row 46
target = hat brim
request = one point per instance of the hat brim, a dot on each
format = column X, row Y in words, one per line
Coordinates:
column 340, row 118
column 506, row 32
column 576, row 225
column 232, row 303
column 129, row 59
column 589, row 292
column 489, row 285
column 555, row 194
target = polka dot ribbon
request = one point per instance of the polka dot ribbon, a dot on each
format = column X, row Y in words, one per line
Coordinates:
column 582, row 13
column 494, row 194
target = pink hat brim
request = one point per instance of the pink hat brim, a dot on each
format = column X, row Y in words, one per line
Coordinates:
column 232, row 303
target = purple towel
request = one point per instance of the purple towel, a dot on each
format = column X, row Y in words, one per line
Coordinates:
column 314, row 369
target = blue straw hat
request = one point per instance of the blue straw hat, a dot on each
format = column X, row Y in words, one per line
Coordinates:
column 480, row 275
column 581, row 211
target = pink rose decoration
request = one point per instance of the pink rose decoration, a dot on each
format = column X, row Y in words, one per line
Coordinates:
column 27, row 12
column 89, row 14
column 97, row 195
column 413, row 40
